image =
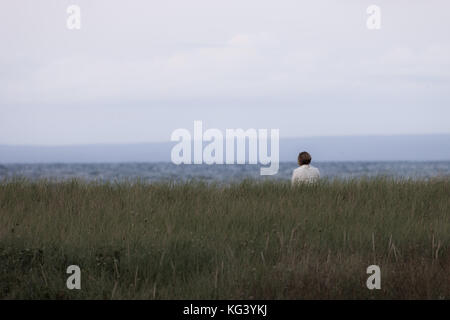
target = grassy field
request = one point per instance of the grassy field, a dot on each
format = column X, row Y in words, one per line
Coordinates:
column 243, row 241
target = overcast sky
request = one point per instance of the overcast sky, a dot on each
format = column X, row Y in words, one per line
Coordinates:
column 137, row 70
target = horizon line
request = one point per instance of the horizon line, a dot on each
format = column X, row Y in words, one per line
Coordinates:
column 168, row 141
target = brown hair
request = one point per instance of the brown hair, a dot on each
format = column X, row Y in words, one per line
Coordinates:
column 304, row 158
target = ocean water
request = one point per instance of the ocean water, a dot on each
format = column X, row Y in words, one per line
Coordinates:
column 155, row 172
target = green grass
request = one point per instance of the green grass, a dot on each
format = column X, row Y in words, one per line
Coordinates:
column 242, row 241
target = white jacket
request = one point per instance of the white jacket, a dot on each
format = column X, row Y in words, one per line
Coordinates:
column 305, row 173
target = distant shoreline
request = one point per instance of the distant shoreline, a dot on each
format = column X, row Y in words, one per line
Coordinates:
column 433, row 147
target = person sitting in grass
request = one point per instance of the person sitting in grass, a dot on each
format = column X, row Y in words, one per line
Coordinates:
column 306, row 172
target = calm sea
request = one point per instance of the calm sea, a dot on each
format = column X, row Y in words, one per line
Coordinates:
column 153, row 172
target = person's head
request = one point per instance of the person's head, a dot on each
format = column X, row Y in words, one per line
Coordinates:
column 304, row 158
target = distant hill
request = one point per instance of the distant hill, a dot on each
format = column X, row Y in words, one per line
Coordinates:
column 344, row 148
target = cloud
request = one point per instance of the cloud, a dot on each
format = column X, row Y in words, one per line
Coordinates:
column 204, row 57
column 244, row 65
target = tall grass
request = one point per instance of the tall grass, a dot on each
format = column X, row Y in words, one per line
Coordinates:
column 202, row 241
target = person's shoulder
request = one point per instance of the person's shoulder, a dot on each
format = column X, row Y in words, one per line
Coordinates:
column 299, row 169
column 298, row 172
column 315, row 169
